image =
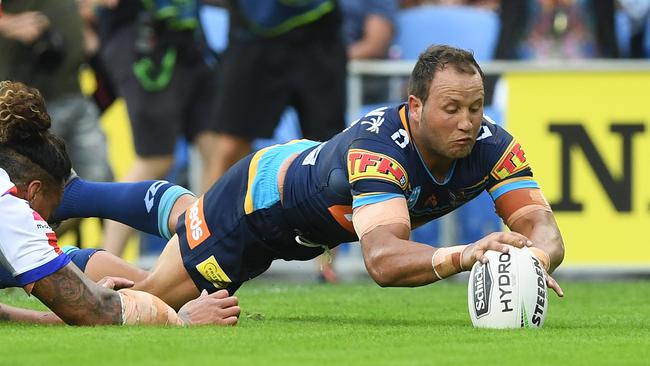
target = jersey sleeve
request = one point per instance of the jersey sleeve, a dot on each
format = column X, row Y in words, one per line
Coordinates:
column 376, row 173
column 28, row 246
column 509, row 166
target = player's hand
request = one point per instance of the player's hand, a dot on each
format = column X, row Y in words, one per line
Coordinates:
column 499, row 241
column 552, row 283
column 216, row 308
column 115, row 283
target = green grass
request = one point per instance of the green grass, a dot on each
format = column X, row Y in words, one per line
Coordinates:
column 357, row 324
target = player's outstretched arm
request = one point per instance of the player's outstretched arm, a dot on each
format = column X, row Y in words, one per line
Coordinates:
column 393, row 260
column 548, row 246
column 526, row 211
column 541, row 228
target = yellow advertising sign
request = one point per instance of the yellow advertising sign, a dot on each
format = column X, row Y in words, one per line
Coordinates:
column 587, row 138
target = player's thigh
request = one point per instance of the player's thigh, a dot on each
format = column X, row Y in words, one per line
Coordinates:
column 168, row 279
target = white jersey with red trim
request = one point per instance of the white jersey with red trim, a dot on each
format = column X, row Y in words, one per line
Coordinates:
column 28, row 246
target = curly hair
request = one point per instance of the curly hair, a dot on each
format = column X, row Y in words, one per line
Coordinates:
column 28, row 150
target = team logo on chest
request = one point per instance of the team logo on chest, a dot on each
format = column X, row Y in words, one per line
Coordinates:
column 364, row 164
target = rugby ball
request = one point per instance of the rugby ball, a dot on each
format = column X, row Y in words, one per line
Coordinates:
column 508, row 292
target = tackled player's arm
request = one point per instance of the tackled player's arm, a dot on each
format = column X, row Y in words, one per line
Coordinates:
column 76, row 299
column 79, row 301
column 526, row 211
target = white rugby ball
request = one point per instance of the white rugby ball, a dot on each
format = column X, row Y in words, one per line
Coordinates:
column 508, row 292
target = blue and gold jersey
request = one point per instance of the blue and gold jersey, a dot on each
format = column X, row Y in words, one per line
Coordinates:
column 231, row 235
column 375, row 159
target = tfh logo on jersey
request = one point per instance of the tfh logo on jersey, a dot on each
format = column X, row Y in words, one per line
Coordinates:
column 364, row 164
column 511, row 162
column 195, row 225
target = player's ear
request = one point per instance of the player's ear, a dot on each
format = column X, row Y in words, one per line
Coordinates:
column 33, row 188
column 415, row 108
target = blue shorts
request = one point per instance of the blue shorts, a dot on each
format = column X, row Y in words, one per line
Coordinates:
column 78, row 256
column 222, row 246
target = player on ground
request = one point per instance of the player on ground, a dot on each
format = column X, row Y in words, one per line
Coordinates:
column 394, row 169
column 34, row 166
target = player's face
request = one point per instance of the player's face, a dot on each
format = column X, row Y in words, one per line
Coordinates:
column 450, row 118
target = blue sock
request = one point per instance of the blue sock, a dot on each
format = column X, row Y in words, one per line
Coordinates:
column 145, row 206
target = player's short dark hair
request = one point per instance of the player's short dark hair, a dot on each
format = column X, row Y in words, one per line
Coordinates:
column 436, row 58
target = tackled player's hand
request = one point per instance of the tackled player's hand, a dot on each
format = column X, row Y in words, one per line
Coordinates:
column 217, row 308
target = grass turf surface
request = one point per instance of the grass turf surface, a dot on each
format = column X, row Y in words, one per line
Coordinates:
column 357, row 324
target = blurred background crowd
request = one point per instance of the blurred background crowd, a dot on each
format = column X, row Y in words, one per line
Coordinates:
column 203, row 83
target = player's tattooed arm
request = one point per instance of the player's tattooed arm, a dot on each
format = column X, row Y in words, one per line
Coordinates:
column 77, row 300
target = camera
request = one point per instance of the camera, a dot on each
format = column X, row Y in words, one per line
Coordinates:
column 48, row 50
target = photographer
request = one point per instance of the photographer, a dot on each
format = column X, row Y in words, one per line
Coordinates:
column 42, row 44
